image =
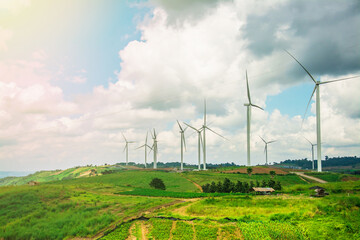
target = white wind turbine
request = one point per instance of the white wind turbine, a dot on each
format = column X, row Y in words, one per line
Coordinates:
column 199, row 142
column 266, row 148
column 154, row 148
column 312, row 152
column 145, row 146
column 248, row 106
column 204, row 127
column 318, row 122
column 182, row 140
column 126, row 148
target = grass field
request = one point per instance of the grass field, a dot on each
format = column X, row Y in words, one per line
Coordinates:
column 333, row 177
column 91, row 207
column 73, row 208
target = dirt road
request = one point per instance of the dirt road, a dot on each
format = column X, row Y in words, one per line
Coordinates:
column 310, row 177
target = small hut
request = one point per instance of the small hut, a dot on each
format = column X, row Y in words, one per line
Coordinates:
column 263, row 190
column 33, row 183
column 320, row 191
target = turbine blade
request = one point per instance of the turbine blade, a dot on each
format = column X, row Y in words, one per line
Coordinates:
column 183, row 139
column 253, row 105
column 204, row 111
column 307, row 107
column 201, row 142
column 140, row 146
column 125, row 147
column 190, row 126
column 301, row 66
column 247, row 86
column 123, row 136
column 272, row 141
column 262, row 139
column 217, row 133
column 146, row 137
column 264, row 148
column 337, row 80
column 179, row 125
column 308, row 140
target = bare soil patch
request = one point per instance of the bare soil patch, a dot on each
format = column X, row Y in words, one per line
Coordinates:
column 349, row 178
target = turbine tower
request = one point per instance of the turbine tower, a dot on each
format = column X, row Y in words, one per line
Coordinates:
column 154, row 148
column 312, row 152
column 204, row 127
column 145, row 146
column 182, row 140
column 248, row 108
column 318, row 121
column 126, row 148
column 265, row 149
column 199, row 142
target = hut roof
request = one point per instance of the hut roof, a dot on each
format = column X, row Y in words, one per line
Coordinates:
column 257, row 189
column 317, row 187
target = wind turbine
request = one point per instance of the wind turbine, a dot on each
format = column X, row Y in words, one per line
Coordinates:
column 126, row 147
column 318, row 122
column 154, row 148
column 182, row 140
column 204, row 127
column 312, row 152
column 199, row 142
column 265, row 149
column 145, row 146
column 248, row 107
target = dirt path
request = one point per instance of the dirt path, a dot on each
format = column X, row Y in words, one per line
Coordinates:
column 301, row 174
column 144, row 231
column 114, row 224
column 196, row 185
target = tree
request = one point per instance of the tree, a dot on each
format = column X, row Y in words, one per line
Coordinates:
column 213, row 187
column 271, row 183
column 249, row 171
column 263, row 183
column 272, row 173
column 226, row 186
column 246, row 187
column 239, row 187
column 277, row 186
column 206, row 188
column 157, row 183
column 219, row 187
column 257, row 183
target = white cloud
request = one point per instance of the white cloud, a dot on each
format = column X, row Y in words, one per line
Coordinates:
column 165, row 76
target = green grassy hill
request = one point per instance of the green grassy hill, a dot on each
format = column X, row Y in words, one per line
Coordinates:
column 79, row 206
column 46, row 176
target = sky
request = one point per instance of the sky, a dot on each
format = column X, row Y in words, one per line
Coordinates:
column 75, row 75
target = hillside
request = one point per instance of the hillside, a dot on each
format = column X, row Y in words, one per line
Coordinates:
column 121, row 204
column 46, row 176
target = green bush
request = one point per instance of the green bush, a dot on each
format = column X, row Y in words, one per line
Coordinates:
column 157, row 183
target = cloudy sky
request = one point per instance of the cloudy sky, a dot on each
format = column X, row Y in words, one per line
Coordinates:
column 75, row 74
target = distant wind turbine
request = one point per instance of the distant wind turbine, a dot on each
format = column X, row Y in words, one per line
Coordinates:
column 126, row 148
column 312, row 152
column 318, row 122
column 145, row 146
column 266, row 148
column 199, row 142
column 154, row 148
column 204, row 127
column 248, row 106
column 182, row 140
